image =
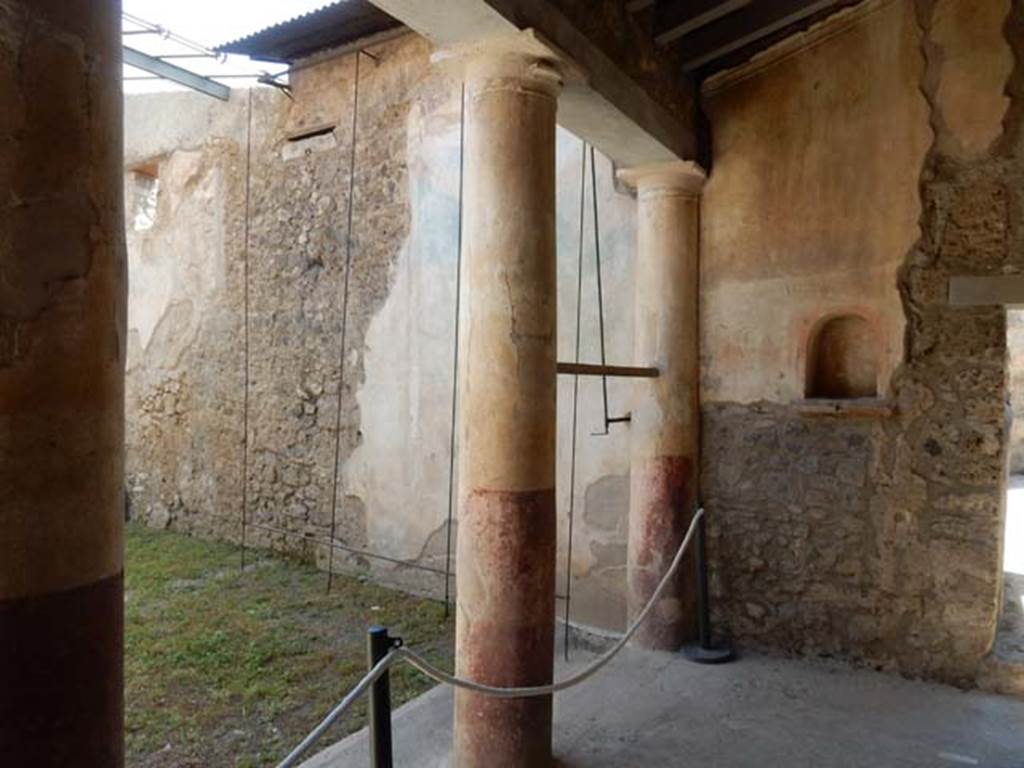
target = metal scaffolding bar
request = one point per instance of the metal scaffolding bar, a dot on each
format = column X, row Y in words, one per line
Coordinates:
column 625, row 371
column 176, row 74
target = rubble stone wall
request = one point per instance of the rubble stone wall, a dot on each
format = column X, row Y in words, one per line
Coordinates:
column 877, row 538
column 190, row 222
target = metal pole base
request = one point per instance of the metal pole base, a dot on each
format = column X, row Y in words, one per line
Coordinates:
column 715, row 654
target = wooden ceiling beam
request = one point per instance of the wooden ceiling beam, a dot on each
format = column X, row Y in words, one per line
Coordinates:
column 730, row 33
column 673, row 20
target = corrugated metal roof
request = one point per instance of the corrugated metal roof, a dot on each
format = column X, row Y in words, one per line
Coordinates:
column 332, row 25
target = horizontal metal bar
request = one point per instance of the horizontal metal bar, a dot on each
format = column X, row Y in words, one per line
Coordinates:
column 346, row 548
column 356, row 551
column 150, row 27
column 255, row 76
column 624, row 371
column 188, row 56
column 176, row 74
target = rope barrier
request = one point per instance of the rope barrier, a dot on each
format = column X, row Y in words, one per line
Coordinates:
column 412, row 658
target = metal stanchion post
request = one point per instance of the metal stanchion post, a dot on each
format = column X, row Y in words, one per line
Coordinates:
column 705, row 651
column 378, row 643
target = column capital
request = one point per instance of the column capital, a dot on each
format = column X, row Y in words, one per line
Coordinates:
column 680, row 177
column 521, row 61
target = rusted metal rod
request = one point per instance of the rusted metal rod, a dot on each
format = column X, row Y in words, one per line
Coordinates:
column 624, row 371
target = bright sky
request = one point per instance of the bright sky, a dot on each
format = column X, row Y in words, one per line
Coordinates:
column 211, row 23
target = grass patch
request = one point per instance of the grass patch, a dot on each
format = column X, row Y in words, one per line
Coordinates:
column 230, row 668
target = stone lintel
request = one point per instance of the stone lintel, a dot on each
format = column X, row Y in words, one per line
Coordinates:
column 971, row 291
column 604, row 105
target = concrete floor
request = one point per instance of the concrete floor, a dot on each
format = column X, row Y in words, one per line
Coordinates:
column 656, row 709
column 650, row 709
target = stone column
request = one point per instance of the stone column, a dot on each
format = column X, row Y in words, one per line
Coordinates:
column 506, row 534
column 62, row 339
column 664, row 431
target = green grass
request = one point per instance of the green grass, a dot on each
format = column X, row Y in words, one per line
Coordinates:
column 230, row 668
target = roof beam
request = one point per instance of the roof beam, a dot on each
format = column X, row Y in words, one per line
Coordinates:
column 730, row 33
column 673, row 20
column 175, row 74
column 621, row 114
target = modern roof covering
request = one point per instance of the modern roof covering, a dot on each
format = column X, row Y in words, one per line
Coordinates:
column 333, row 25
column 715, row 34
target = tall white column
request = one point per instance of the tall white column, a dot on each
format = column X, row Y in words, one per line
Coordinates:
column 665, row 435
column 507, row 526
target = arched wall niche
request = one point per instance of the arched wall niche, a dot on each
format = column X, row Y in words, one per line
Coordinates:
column 843, row 359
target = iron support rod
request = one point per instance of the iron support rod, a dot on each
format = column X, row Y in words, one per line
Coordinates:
column 345, row 548
column 344, row 319
column 624, row 371
column 245, row 325
column 600, row 288
column 575, row 398
column 455, row 360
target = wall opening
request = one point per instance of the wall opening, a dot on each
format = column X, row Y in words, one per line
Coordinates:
column 842, row 359
column 1009, row 643
column 143, row 192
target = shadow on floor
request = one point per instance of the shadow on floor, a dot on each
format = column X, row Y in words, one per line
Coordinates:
column 658, row 709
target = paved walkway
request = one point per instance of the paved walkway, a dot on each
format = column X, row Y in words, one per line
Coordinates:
column 656, row 709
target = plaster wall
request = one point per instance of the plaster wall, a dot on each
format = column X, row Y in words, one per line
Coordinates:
column 813, row 202
column 186, row 353
column 846, row 180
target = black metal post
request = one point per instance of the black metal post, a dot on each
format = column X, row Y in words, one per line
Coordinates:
column 705, row 651
column 703, row 610
column 378, row 643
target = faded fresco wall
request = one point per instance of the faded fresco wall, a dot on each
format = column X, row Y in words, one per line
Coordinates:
column 187, row 359
column 856, row 168
column 184, row 199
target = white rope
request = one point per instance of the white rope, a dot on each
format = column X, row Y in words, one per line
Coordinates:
column 440, row 676
column 343, row 706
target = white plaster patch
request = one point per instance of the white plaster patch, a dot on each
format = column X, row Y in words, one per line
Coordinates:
column 180, row 258
column 400, row 470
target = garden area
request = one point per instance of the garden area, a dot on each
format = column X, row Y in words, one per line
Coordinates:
column 232, row 668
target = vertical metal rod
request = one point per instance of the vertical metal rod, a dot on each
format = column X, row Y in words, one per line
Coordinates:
column 344, row 323
column 703, row 617
column 245, row 331
column 455, row 364
column 575, row 397
column 600, row 288
column 377, row 646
